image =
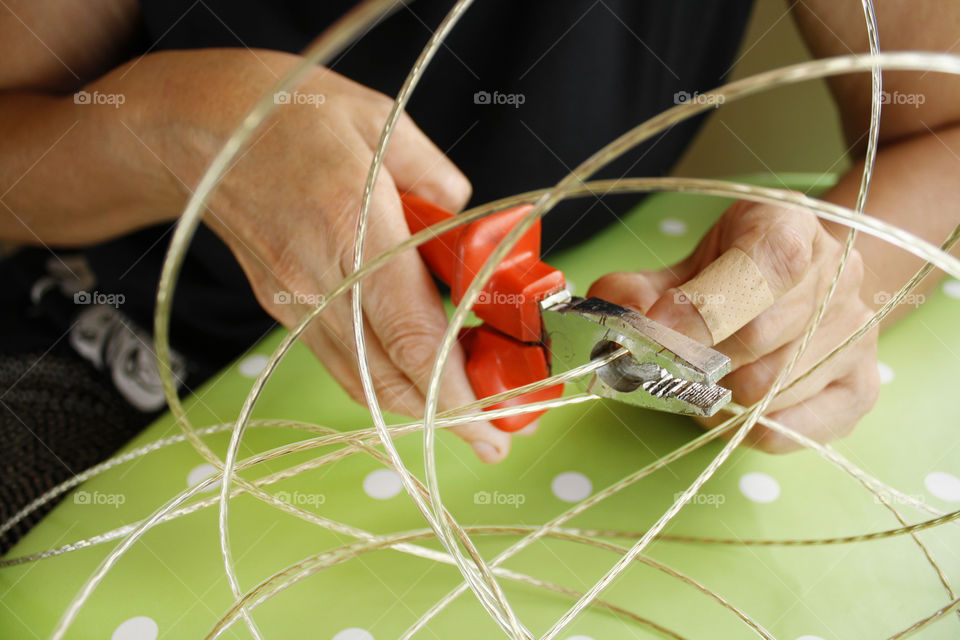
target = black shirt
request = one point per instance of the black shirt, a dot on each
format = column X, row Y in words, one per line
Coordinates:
column 587, row 71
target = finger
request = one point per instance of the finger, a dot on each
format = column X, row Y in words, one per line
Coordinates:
column 791, row 315
column 416, row 164
column 773, row 255
column 407, row 316
column 829, row 415
column 768, row 332
column 750, row 383
column 395, row 391
column 334, row 344
column 637, row 291
column 338, row 363
column 400, row 394
column 330, row 337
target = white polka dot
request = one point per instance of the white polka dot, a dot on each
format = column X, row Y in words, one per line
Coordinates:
column 952, row 288
column 886, row 373
column 200, row 473
column 759, row 487
column 354, row 633
column 139, row 628
column 571, row 486
column 809, row 638
column 945, row 486
column 673, row 227
column 382, row 484
column 251, row 366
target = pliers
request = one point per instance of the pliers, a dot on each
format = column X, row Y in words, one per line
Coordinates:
column 533, row 327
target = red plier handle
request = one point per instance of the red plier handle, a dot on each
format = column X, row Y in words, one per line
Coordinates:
column 508, row 350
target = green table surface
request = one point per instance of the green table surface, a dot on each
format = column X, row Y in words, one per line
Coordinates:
column 174, row 575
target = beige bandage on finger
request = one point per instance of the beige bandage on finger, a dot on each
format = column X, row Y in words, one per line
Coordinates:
column 729, row 293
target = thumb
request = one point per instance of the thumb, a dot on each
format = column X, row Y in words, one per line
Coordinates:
column 639, row 290
column 418, row 166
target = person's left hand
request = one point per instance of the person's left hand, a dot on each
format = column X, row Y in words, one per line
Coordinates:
column 798, row 258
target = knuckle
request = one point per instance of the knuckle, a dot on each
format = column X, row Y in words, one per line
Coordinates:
column 412, row 352
column 788, row 251
column 380, row 106
column 412, row 345
column 285, row 267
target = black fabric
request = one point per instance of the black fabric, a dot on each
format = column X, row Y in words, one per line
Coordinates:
column 58, row 417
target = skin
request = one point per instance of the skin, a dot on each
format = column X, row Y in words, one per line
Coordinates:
column 74, row 174
column 915, row 172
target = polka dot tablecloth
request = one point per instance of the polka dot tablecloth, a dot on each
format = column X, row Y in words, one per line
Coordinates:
column 172, row 585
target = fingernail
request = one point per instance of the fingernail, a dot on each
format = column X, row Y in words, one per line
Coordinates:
column 486, row 451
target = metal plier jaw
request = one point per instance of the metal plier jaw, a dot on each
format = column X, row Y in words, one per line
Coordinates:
column 532, row 327
column 664, row 370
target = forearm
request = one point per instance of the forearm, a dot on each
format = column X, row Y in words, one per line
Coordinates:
column 914, row 187
column 74, row 174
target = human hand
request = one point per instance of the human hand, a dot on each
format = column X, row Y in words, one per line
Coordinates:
column 798, row 258
column 288, row 210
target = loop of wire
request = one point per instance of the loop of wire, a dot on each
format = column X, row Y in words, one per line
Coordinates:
column 483, row 577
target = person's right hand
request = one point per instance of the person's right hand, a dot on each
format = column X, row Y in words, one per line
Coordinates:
column 288, row 208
